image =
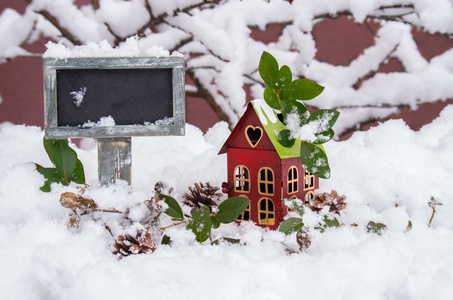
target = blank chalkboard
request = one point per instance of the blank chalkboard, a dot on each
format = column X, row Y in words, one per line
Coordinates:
column 137, row 96
column 129, row 96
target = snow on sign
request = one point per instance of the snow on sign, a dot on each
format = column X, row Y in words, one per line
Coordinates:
column 114, row 96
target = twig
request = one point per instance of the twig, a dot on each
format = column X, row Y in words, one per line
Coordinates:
column 174, row 224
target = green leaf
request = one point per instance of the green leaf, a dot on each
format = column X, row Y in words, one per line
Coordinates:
column 285, row 76
column 65, row 159
column 174, row 209
column 78, row 176
column 200, row 224
column 327, row 223
column 165, row 240
column 48, row 143
column 323, row 137
column 300, row 89
column 215, row 222
column 291, row 225
column 295, row 107
column 314, row 159
column 231, row 208
column 51, row 175
column 271, row 98
column 294, row 206
column 324, row 119
column 409, row 226
column 226, row 239
column 331, row 222
column 268, row 69
column 285, row 138
column 378, row 228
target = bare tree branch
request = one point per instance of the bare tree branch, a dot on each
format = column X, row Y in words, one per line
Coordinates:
column 64, row 31
column 203, row 93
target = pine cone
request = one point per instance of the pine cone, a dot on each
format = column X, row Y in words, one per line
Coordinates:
column 126, row 245
column 332, row 200
column 303, row 239
column 202, row 195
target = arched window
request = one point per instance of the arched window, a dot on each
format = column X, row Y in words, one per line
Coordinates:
column 245, row 216
column 309, row 197
column 241, row 179
column 266, row 212
column 293, row 180
column 309, row 181
column 266, row 181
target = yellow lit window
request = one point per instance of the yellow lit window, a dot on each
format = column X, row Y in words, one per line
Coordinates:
column 266, row 181
column 245, row 216
column 309, row 181
column 266, row 212
column 293, row 180
column 309, row 197
column 241, row 179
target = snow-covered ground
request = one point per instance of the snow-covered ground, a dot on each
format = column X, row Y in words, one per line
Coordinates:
column 388, row 175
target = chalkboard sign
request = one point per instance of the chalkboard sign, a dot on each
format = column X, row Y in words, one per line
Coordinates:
column 114, row 97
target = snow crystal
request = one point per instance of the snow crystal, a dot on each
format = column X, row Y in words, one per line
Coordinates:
column 78, row 96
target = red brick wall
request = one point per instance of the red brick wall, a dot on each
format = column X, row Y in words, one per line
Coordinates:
column 338, row 42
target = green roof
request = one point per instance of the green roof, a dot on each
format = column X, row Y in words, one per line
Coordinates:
column 272, row 127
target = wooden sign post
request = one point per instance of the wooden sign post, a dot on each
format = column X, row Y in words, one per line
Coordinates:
column 113, row 99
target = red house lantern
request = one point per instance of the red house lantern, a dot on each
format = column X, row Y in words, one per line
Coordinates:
column 263, row 171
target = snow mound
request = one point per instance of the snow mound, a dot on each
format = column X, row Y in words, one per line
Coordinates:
column 388, row 175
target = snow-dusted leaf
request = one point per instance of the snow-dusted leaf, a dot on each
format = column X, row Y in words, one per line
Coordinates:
column 314, row 159
column 323, row 137
column 295, row 107
column 200, row 224
column 295, row 205
column 285, row 138
column 323, row 119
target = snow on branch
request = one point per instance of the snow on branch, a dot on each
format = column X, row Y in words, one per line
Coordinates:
column 222, row 57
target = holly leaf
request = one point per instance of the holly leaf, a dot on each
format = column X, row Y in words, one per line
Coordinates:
column 229, row 210
column 314, row 159
column 300, row 89
column 174, row 210
column 285, row 138
column 291, row 225
column 268, row 69
column 200, row 224
column 271, row 98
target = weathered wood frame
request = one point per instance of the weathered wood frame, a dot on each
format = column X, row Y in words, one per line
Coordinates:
column 51, row 65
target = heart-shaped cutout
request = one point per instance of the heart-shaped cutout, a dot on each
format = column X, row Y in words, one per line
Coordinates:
column 253, row 135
